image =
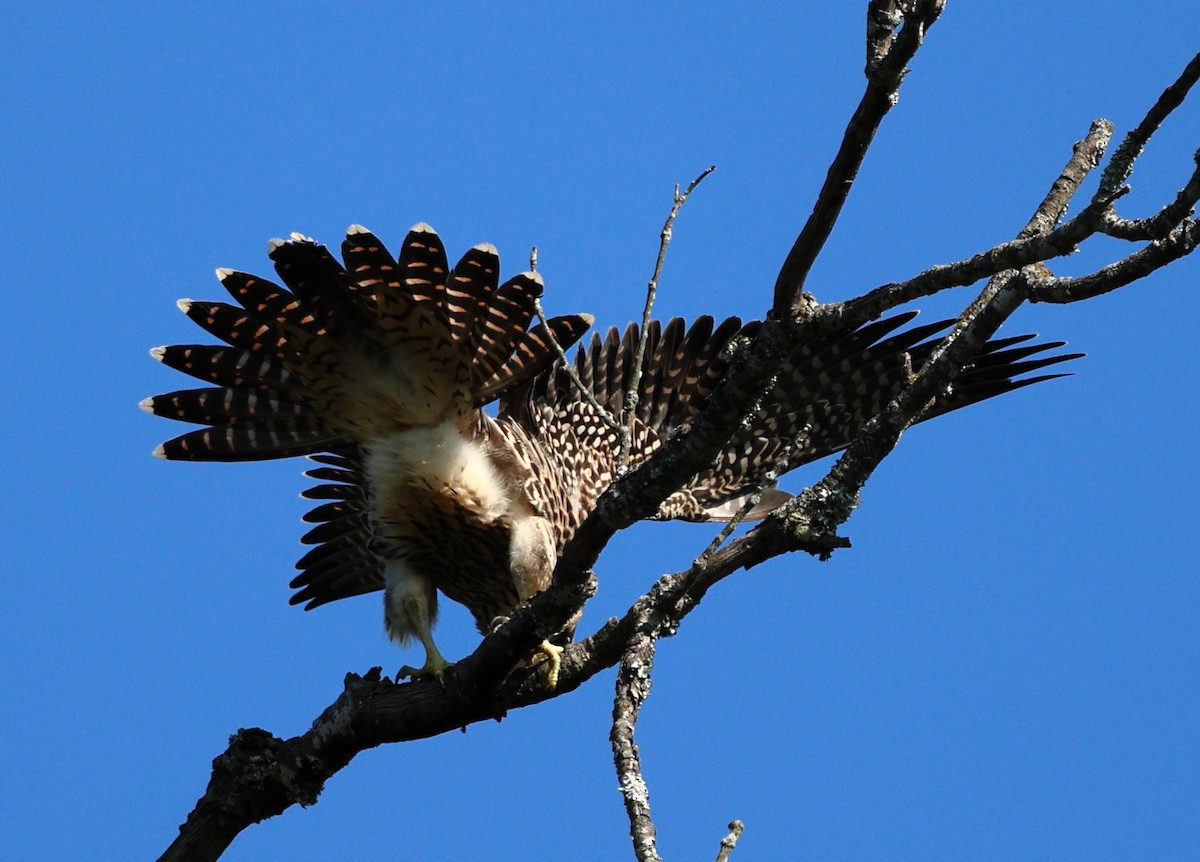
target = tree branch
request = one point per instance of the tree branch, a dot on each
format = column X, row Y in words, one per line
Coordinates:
column 632, row 689
column 1179, row 243
column 820, row 509
column 888, row 55
column 730, row 841
column 1121, row 167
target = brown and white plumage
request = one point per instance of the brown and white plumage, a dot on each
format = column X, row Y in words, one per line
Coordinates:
column 378, row 369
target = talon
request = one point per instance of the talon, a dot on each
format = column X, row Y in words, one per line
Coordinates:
column 553, row 661
column 416, row 613
column 432, row 667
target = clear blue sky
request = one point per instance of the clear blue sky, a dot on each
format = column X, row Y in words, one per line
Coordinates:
column 1003, row 667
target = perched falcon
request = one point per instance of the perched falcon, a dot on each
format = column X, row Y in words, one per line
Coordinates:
column 379, row 369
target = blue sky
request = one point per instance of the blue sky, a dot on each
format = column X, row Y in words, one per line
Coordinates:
column 1004, row 665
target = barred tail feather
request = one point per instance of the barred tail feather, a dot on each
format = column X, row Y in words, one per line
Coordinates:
column 270, row 303
column 507, row 315
column 250, row 441
column 344, row 355
column 532, row 352
column 421, row 289
column 336, row 302
column 215, row 406
column 233, row 325
column 470, row 289
column 225, row 366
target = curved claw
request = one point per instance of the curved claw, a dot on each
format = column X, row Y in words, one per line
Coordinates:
column 553, row 656
column 434, row 667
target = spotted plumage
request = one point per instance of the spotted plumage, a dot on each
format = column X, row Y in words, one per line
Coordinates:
column 379, row 367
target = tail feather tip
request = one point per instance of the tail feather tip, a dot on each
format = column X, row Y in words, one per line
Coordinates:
column 184, row 305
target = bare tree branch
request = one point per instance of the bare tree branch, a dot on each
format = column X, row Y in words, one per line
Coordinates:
column 1120, row 168
column 883, row 17
column 889, row 55
column 1180, row 242
column 1043, row 241
column 1014, row 254
column 1159, row 225
column 1085, row 157
column 730, row 841
column 632, row 689
column 822, row 508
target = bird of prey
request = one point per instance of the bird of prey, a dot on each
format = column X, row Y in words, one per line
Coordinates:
column 380, row 369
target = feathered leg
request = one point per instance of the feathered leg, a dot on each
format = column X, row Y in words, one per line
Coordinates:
column 410, row 610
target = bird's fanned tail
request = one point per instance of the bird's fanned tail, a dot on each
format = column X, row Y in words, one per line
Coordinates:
column 347, row 353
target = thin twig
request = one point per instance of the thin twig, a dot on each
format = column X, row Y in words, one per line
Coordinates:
column 632, row 689
column 632, row 395
column 730, row 841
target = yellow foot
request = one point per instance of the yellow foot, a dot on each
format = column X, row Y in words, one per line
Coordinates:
column 553, row 656
column 431, row 668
